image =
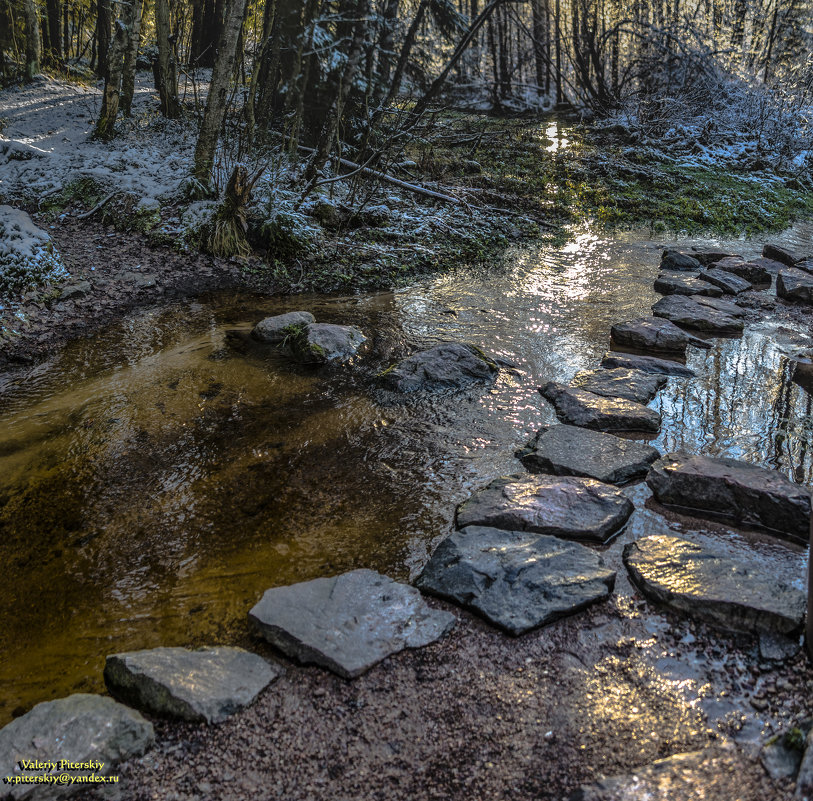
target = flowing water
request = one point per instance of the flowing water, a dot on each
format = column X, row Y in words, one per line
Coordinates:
column 155, row 479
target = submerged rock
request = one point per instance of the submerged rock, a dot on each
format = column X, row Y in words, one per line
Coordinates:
column 752, row 271
column 649, row 364
column 728, row 282
column 734, row 490
column 795, row 285
column 634, row 385
column 571, row 507
column 278, row 328
column 447, row 365
column 780, row 254
column 686, row 285
column 347, row 623
column 675, row 260
column 688, row 312
column 79, row 728
column 654, row 334
column 320, row 343
column 580, row 408
column 514, row 579
column 712, row 587
column 208, row 684
column 570, row 451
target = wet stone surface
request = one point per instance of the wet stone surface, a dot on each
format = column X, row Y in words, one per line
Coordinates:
column 717, row 589
column 677, row 260
column 79, row 728
column 320, row 343
column 571, row 451
column 347, row 623
column 276, row 329
column 208, row 684
column 572, row 507
column 687, row 312
column 755, row 271
column 678, row 284
column 447, row 365
column 733, row 490
column 795, row 285
column 648, row 364
column 727, row 282
column 515, row 579
column 655, row 334
column 633, row 385
column 722, row 305
column 581, row 408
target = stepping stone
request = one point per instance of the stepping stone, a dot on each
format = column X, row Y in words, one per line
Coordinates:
column 795, row 285
column 780, row 254
column 728, row 282
column 714, row 773
column 707, row 257
column 675, row 260
column 634, row 385
column 649, row 364
column 347, row 623
column 208, row 685
column 320, row 343
column 733, row 490
column 276, row 329
column 754, row 271
column 570, row 451
column 447, row 365
column 687, row 312
column 782, row 755
column 570, row 507
column 724, row 306
column 581, row 408
column 514, row 579
column 802, row 373
column 703, row 584
column 686, row 285
column 81, row 728
column 654, row 333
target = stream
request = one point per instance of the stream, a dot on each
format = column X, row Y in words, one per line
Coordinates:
column 156, row 478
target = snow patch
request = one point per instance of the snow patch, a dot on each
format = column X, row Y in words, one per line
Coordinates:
column 27, row 255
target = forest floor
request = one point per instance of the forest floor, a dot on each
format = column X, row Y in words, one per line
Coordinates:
column 523, row 178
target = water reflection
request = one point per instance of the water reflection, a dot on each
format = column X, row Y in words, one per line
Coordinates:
column 155, row 479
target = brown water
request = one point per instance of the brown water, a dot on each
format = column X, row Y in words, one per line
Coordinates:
column 156, row 478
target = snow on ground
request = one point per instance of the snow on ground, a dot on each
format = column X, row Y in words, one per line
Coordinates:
column 46, row 142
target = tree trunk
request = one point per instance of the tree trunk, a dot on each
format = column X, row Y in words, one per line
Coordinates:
column 539, row 49
column 167, row 69
column 130, row 56
column 103, row 23
column 112, row 82
column 32, row 39
column 54, row 17
column 218, row 92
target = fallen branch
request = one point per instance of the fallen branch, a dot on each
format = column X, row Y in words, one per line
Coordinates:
column 382, row 176
column 97, row 206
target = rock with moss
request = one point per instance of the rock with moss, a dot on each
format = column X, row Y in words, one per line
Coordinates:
column 320, row 343
column 274, row 330
column 444, row 366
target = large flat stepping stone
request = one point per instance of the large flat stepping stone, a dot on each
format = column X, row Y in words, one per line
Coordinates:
column 81, row 728
column 578, row 407
column 209, row 684
column 649, row 364
column 634, row 385
column 347, row 623
column 720, row 304
column 687, row 312
column 780, row 254
column 570, row 451
column 731, row 489
column 320, row 343
column 514, row 579
column 276, row 329
column 720, row 773
column 448, row 365
column 654, row 333
column 756, row 271
column 795, row 285
column 676, row 260
column 571, row 507
column 703, row 584
column 727, row 282
column 686, row 285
